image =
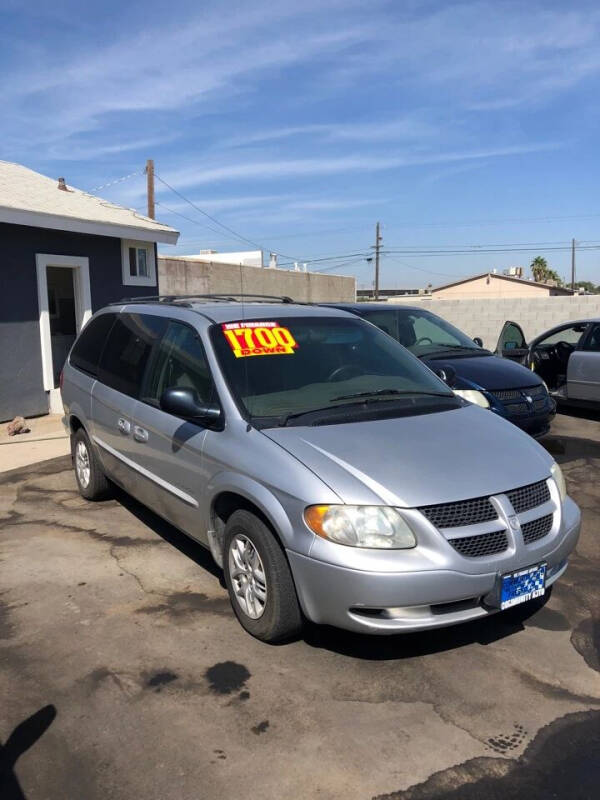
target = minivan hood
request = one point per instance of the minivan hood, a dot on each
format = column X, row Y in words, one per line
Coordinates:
column 419, row 460
column 489, row 372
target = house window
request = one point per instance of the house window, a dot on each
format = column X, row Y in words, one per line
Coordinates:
column 139, row 268
column 138, row 263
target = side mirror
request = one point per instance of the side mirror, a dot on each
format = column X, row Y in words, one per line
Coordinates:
column 184, row 403
column 478, row 341
column 447, row 374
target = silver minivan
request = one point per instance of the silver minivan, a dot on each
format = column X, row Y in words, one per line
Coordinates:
column 331, row 474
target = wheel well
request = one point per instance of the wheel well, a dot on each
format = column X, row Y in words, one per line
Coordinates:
column 75, row 423
column 227, row 502
column 224, row 505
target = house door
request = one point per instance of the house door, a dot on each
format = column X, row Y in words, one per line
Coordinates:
column 61, row 311
column 65, row 306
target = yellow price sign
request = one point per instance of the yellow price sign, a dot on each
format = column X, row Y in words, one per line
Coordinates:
column 259, row 339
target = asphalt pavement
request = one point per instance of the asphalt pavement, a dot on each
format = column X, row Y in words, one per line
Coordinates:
column 124, row 674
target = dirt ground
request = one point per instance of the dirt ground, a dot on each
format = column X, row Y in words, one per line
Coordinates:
column 124, row 674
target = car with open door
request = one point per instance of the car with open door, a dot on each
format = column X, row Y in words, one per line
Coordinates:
column 512, row 343
column 509, row 389
column 566, row 357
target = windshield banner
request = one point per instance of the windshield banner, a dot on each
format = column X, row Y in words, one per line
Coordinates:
column 258, row 339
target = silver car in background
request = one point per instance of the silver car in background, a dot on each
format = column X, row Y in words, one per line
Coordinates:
column 567, row 358
column 332, row 475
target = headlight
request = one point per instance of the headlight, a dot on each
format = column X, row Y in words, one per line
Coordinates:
column 473, row 396
column 559, row 479
column 360, row 526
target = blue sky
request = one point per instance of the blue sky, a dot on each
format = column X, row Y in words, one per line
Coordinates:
column 300, row 124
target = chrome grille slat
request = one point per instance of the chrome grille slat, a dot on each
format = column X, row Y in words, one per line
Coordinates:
column 464, row 512
column 486, row 544
column 530, row 496
column 537, row 528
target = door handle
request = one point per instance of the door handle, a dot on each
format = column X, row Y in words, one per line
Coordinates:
column 124, row 426
column 140, row 434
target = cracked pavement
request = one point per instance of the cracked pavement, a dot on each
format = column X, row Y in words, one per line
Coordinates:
column 124, row 673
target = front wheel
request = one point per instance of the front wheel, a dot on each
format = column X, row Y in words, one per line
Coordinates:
column 259, row 580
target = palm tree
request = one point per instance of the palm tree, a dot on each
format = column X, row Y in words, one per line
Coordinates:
column 539, row 268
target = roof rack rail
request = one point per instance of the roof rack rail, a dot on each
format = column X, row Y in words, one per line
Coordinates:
column 179, row 299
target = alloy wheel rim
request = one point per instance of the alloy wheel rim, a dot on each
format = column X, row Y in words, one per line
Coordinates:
column 82, row 465
column 247, row 576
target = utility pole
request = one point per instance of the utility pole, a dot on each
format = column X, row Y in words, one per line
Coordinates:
column 573, row 264
column 378, row 239
column 150, row 187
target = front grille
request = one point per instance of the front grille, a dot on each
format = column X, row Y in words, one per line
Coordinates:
column 508, row 395
column 514, row 409
column 487, row 544
column 529, row 496
column 465, row 512
column 536, row 529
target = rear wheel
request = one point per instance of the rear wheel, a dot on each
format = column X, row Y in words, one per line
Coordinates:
column 91, row 480
column 259, row 580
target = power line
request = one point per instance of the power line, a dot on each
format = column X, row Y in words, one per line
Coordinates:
column 117, row 180
column 421, row 269
column 189, row 219
column 327, row 258
column 216, row 221
column 483, row 251
column 339, row 266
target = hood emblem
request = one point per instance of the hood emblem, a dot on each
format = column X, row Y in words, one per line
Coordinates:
column 513, row 522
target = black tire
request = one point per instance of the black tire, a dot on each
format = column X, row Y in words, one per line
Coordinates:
column 97, row 487
column 281, row 619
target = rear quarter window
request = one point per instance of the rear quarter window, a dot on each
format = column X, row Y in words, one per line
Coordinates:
column 127, row 351
column 87, row 350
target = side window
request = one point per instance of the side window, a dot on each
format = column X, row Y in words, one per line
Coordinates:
column 572, row 335
column 180, row 362
column 87, row 350
column 592, row 343
column 387, row 321
column 127, row 351
column 430, row 331
column 512, row 337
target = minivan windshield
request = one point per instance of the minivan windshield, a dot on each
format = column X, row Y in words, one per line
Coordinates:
column 423, row 333
column 281, row 371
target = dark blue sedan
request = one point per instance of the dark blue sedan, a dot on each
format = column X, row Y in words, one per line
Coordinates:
column 505, row 387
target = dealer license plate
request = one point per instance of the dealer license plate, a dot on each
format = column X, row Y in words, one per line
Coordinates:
column 523, row 585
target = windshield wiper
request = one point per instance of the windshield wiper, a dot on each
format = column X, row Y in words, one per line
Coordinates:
column 360, row 397
column 285, row 418
column 453, row 346
column 382, row 392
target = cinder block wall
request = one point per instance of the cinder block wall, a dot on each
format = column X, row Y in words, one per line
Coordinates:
column 178, row 276
column 482, row 317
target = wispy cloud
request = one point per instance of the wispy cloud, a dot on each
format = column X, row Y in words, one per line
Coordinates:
column 268, row 170
column 409, row 128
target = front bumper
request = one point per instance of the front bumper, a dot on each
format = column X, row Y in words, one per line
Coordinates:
column 536, row 424
column 396, row 602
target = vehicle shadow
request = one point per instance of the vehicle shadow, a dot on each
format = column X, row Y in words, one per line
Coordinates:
column 187, row 546
column 424, row 643
column 591, row 414
column 570, row 448
column 24, row 736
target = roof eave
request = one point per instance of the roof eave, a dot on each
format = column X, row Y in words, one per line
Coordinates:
column 39, row 219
